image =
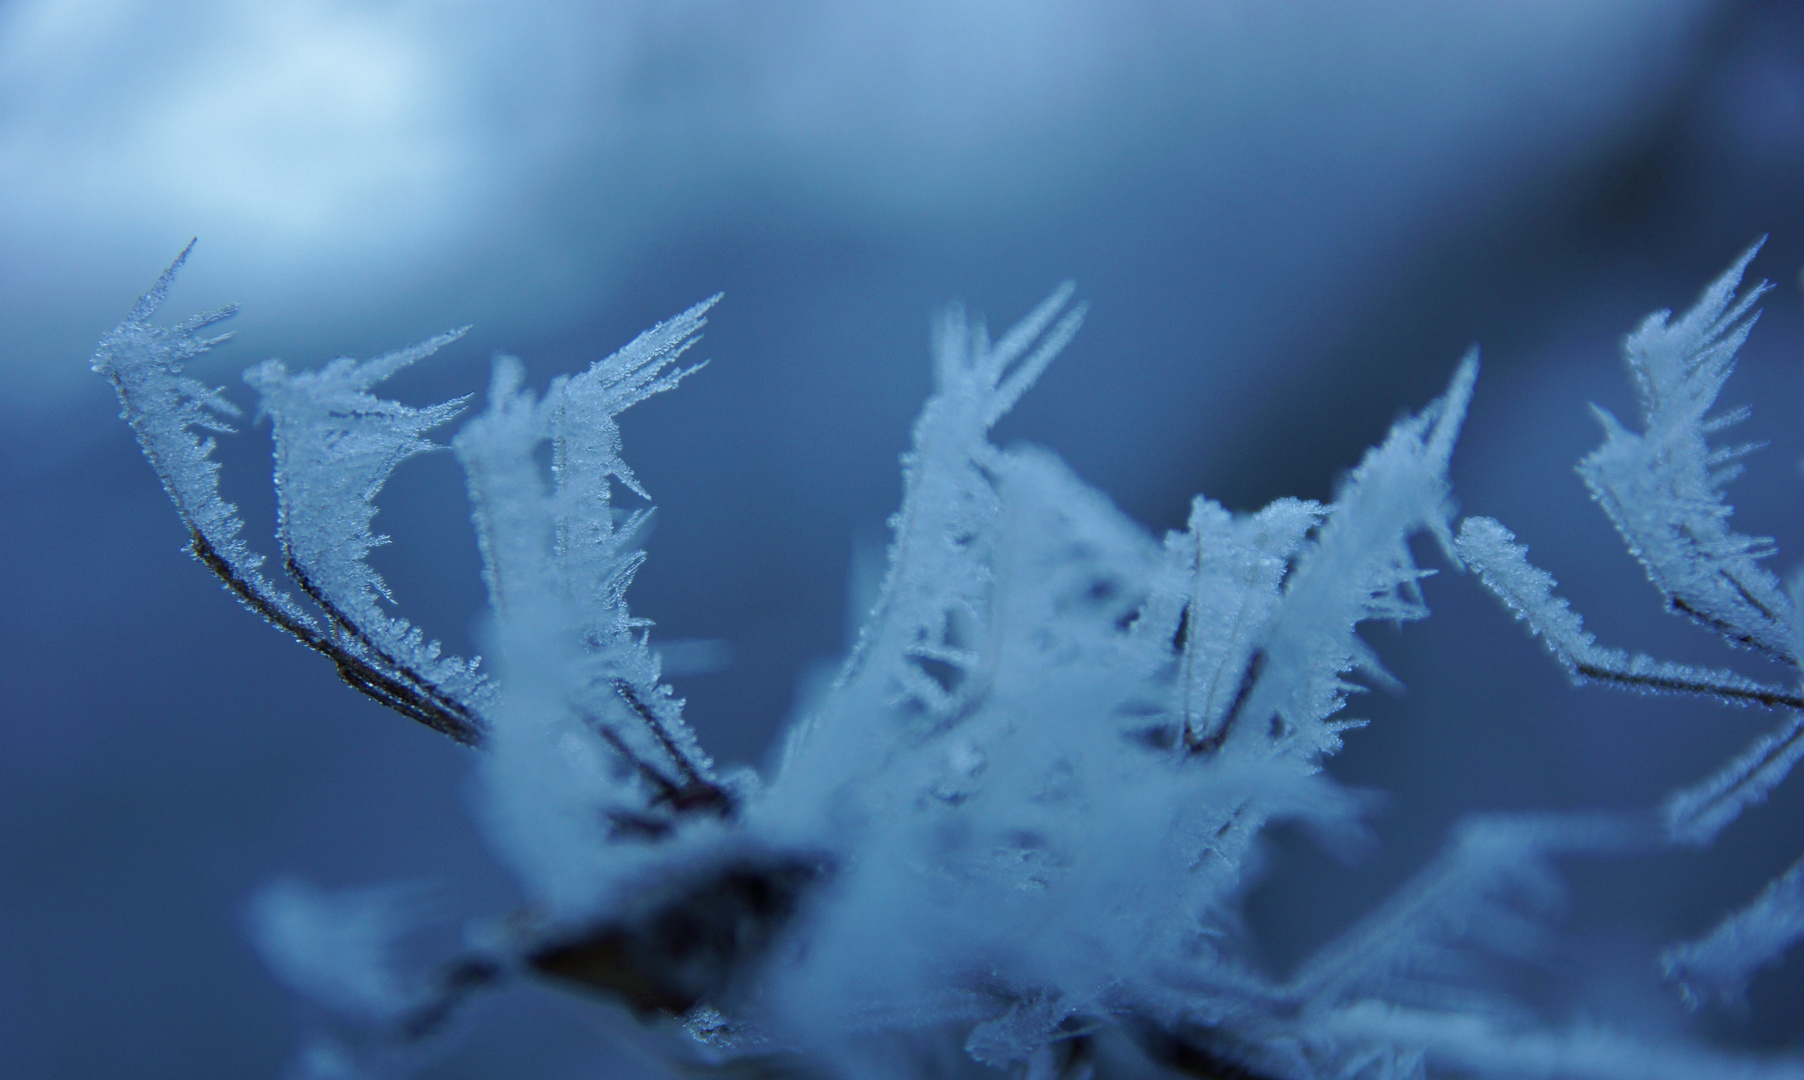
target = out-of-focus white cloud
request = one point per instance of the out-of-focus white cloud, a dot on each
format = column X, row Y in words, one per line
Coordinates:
column 290, row 121
column 349, row 155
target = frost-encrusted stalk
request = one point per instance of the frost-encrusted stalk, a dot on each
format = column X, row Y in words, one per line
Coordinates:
column 931, row 602
column 591, row 748
column 1527, row 590
column 1359, row 569
column 1018, row 827
column 597, row 555
column 1695, row 815
column 1663, row 489
column 917, row 657
column 167, row 410
column 1229, row 572
column 1717, row 968
column 336, row 444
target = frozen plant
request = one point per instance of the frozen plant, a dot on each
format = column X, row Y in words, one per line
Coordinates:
column 1663, row 489
column 1014, row 836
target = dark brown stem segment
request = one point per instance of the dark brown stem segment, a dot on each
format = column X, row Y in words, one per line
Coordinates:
column 415, row 680
column 394, row 684
column 384, row 678
column 401, row 692
column 686, row 942
column 1771, row 697
column 696, row 792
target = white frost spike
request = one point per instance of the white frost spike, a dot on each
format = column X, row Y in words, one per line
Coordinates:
column 938, row 574
column 1696, row 814
column 337, row 946
column 914, row 656
column 1527, row 590
column 1484, row 891
column 580, row 421
column 166, row 408
column 336, row 445
column 589, row 747
column 512, row 513
column 1023, row 816
column 550, row 782
column 1358, row 569
column 1663, row 488
column 1718, row 967
column 597, row 555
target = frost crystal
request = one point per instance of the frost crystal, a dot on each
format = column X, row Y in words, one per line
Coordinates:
column 144, row 362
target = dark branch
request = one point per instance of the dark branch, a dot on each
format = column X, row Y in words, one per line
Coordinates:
column 1728, row 630
column 348, row 626
column 686, row 942
column 1770, row 697
column 697, row 792
column 357, row 673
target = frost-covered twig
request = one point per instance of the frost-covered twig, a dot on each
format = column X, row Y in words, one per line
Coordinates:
column 1231, row 571
column 1663, row 488
column 1488, row 890
column 1527, row 590
column 919, row 649
column 1717, row 967
column 1020, row 826
column 144, row 361
column 1359, row 569
column 1694, row 815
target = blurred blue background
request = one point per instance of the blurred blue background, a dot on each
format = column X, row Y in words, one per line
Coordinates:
column 1290, row 217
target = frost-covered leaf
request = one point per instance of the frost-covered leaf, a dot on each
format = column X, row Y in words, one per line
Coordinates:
column 1663, row 487
column 168, row 410
column 336, row 444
